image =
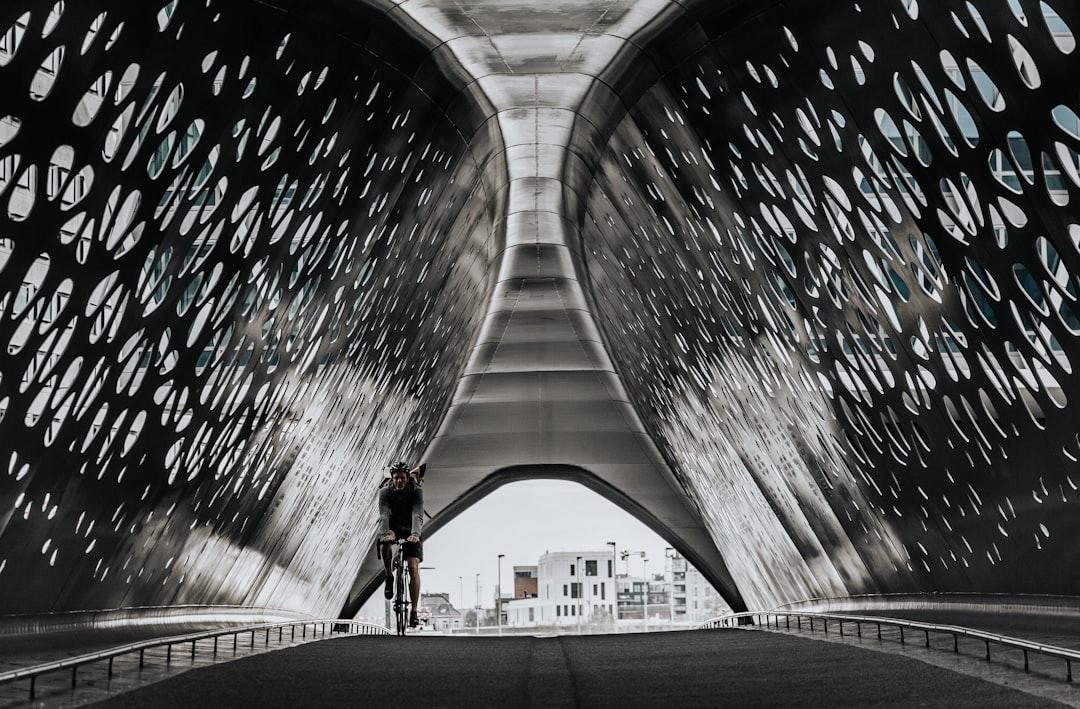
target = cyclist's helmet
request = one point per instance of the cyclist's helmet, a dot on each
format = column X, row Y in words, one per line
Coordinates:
column 399, row 467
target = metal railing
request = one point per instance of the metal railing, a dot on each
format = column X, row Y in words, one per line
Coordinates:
column 317, row 627
column 773, row 618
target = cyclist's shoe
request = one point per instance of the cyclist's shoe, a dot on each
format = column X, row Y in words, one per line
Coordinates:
column 413, row 620
column 388, row 588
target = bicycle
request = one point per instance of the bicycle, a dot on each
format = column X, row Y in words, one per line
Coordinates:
column 401, row 587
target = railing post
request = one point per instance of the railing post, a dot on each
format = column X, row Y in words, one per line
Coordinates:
column 74, row 669
column 901, row 635
column 1025, row 660
column 253, row 639
column 927, row 637
column 956, row 643
column 215, row 645
column 110, row 666
column 168, row 654
column 988, row 651
column 33, row 680
column 798, row 621
column 788, row 619
column 267, row 643
column 826, row 622
column 192, row 649
column 858, row 628
column 841, row 627
column 142, row 656
column 878, row 631
column 1068, row 670
column 292, row 630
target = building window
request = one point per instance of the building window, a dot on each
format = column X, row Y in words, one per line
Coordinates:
column 572, row 570
column 565, row 592
column 558, row 611
column 610, row 568
column 575, row 590
column 590, row 567
column 603, row 591
column 532, row 617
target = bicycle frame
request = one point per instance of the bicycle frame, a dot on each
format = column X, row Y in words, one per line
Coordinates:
column 401, row 587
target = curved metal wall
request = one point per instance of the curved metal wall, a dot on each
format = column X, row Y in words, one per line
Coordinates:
column 243, row 254
column 834, row 254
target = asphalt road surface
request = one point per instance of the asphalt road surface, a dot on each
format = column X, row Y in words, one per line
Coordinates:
column 719, row 668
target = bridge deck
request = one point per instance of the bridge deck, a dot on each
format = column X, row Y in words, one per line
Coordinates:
column 685, row 669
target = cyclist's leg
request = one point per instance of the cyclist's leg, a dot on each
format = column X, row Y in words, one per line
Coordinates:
column 386, row 549
column 414, row 582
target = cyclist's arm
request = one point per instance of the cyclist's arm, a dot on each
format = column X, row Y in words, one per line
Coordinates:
column 418, row 511
column 384, row 512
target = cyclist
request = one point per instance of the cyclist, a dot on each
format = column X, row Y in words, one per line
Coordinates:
column 401, row 516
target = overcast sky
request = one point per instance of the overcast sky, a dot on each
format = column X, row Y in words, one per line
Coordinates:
column 523, row 520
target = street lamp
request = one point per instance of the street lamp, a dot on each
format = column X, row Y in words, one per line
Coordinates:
column 626, row 557
column 614, row 584
column 498, row 595
column 590, row 601
column 671, row 554
column 645, row 572
column 577, row 573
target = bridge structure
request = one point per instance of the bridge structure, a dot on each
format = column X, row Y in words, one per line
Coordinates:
column 794, row 283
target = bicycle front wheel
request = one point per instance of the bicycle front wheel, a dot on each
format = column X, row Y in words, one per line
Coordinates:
column 401, row 606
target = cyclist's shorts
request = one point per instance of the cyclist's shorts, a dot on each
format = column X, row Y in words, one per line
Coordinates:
column 410, row 549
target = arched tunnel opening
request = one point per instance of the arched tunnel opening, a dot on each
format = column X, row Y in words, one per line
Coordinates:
column 526, row 512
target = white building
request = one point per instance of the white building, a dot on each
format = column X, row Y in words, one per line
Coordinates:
column 702, row 600
column 573, row 588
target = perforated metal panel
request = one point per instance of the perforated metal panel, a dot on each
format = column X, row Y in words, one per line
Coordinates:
column 229, row 237
column 835, row 254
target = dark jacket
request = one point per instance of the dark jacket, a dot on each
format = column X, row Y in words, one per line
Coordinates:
column 401, row 511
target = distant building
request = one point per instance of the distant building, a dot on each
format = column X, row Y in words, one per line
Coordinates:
column 571, row 588
column 702, row 600
column 638, row 596
column 440, row 613
column 525, row 581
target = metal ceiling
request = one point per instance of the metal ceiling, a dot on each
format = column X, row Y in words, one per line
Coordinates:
column 540, row 396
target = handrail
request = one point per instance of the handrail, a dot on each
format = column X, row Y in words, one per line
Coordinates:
column 956, row 631
column 74, row 663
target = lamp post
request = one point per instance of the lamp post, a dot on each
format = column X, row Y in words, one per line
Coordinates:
column 645, row 572
column 671, row 554
column 626, row 557
column 614, row 586
column 577, row 575
column 498, row 595
column 590, row 601
column 478, row 604
column 461, row 600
